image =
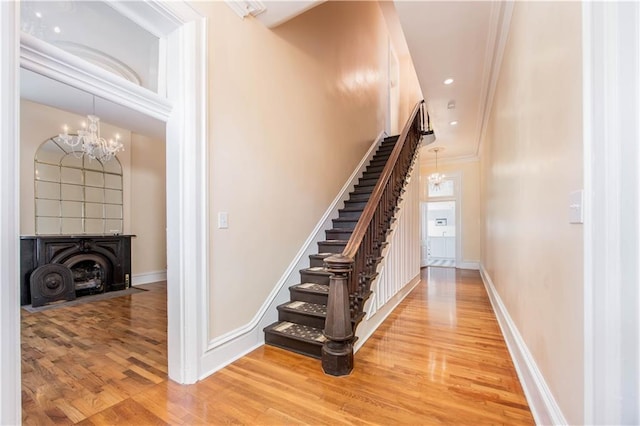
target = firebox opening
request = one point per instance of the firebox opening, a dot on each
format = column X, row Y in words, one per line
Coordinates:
column 88, row 277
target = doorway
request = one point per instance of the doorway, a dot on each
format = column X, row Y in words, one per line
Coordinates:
column 185, row 114
column 440, row 218
column 438, row 238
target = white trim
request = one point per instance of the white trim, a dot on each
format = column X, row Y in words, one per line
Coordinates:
column 187, row 199
column 500, row 39
column 53, row 62
column 611, row 96
column 10, row 397
column 101, row 59
column 543, row 405
column 224, row 349
column 148, row 277
column 187, row 170
column 154, row 17
column 469, row 264
column 244, row 8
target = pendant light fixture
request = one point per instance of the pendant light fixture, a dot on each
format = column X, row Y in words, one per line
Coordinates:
column 435, row 179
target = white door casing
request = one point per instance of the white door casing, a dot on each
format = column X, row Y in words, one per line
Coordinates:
column 187, row 201
column 10, row 407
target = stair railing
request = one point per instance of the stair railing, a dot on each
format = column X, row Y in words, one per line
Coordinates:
column 355, row 268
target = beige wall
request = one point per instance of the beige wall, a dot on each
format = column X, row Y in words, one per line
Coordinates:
column 143, row 167
column 292, row 111
column 410, row 91
column 531, row 161
column 148, row 205
column 469, row 172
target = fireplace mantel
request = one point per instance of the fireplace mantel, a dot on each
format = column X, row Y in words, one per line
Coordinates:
column 39, row 250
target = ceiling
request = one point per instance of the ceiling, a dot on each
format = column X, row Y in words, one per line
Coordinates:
column 453, row 40
column 446, row 39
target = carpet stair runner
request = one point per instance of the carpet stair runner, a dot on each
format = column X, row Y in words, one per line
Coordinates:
column 301, row 320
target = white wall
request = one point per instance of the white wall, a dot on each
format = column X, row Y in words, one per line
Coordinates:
column 531, row 161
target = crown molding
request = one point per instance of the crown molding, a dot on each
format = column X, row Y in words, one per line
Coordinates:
column 244, row 8
column 501, row 23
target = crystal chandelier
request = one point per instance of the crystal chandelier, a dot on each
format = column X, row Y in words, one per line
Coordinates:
column 89, row 141
column 435, row 179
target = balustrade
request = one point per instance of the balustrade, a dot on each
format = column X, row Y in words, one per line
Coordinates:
column 356, row 267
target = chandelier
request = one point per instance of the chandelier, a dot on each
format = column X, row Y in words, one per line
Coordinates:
column 435, row 179
column 89, row 141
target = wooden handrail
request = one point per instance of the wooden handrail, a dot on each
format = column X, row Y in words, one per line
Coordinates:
column 355, row 268
column 360, row 229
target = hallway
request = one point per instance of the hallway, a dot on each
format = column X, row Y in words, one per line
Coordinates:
column 439, row 358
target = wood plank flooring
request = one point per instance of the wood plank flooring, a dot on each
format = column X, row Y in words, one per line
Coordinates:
column 438, row 359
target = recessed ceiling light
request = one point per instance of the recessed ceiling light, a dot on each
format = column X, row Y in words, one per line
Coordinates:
column 453, row 123
column 38, row 15
column 56, row 30
column 448, row 81
column 451, row 105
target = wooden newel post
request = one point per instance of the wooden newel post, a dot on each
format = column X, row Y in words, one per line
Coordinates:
column 337, row 352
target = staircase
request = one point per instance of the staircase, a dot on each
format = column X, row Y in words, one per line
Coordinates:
column 301, row 320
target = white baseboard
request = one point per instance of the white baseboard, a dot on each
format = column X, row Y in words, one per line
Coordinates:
column 148, row 277
column 230, row 346
column 368, row 327
column 466, row 264
column 543, row 405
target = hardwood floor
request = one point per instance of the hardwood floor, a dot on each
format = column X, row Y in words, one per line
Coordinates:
column 438, row 359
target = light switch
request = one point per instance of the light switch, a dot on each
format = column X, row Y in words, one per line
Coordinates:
column 575, row 207
column 223, row 220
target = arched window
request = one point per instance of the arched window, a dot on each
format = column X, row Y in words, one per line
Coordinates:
column 75, row 194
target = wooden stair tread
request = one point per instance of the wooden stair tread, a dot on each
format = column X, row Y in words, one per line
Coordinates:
column 297, row 331
column 315, row 270
column 335, row 242
column 311, row 288
column 306, row 308
column 301, row 320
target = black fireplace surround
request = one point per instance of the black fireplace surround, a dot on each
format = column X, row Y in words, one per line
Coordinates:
column 98, row 263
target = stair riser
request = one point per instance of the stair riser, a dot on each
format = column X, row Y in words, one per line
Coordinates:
column 356, row 204
column 382, row 157
column 305, row 296
column 326, row 248
column 294, row 345
column 367, row 182
column 371, row 175
column 374, row 169
column 374, row 163
column 344, row 225
column 314, row 278
column 299, row 318
column 338, row 234
column 316, row 262
column 363, row 189
column 384, row 152
column 350, row 214
column 359, row 197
